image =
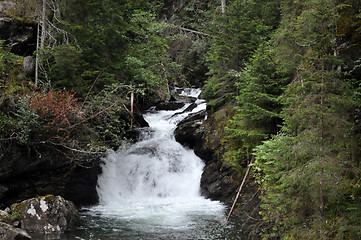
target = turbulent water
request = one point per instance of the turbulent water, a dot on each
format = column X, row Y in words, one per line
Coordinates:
column 151, row 189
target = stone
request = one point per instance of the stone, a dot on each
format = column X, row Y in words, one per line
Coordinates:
column 8, row 232
column 48, row 214
column 28, row 172
column 169, row 105
column 139, row 120
column 18, row 35
column 190, row 133
column 5, row 217
column 6, row 6
column 194, row 116
column 29, row 65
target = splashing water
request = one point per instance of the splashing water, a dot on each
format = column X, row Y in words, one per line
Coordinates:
column 152, row 188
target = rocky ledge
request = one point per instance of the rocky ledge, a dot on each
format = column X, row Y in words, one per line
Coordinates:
column 218, row 180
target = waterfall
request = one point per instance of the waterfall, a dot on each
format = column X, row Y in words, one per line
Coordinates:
column 156, row 180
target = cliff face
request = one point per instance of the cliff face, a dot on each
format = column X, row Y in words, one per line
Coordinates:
column 28, row 172
column 19, row 36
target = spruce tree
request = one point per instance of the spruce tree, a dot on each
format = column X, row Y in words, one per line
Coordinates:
column 308, row 168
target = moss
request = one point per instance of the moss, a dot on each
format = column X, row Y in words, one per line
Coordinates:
column 15, row 216
column 23, row 10
column 46, row 196
column 5, row 219
column 12, row 70
column 18, row 207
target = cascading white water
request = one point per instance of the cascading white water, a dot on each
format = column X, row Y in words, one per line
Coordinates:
column 156, row 181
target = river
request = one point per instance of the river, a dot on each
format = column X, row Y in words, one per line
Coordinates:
column 151, row 189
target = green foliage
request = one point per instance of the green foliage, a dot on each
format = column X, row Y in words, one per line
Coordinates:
column 23, row 10
column 105, row 112
column 120, row 42
column 236, row 36
column 307, row 172
column 260, row 86
column 11, row 71
column 27, row 124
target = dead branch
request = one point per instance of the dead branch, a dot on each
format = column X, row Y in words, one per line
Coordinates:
column 240, row 188
column 193, row 31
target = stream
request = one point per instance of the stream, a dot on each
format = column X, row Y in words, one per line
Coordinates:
column 151, row 189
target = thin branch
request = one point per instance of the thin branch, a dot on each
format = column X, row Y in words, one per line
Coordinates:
column 92, row 116
column 240, row 188
column 87, row 95
column 71, row 149
column 193, row 31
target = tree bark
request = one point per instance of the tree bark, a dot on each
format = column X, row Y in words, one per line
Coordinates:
column 223, row 6
column 40, row 41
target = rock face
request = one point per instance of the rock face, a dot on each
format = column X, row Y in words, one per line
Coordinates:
column 190, row 132
column 49, row 214
column 18, row 35
column 169, row 105
column 8, row 232
column 219, row 181
column 7, row 6
column 25, row 172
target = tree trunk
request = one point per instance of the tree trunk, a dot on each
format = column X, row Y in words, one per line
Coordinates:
column 223, row 6
column 40, row 41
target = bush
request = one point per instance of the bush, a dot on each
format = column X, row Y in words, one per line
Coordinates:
column 47, row 116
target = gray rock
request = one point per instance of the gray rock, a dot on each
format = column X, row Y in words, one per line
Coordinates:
column 169, row 105
column 5, row 217
column 8, row 232
column 7, row 6
column 49, row 214
column 29, row 65
column 190, row 132
column 18, row 35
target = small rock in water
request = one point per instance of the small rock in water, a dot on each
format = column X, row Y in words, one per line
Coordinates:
column 9, row 232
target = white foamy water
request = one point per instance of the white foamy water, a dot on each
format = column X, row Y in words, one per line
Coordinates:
column 155, row 183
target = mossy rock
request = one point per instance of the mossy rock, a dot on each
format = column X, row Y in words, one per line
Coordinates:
column 5, row 217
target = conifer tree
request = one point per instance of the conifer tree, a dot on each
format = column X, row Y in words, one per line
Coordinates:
column 306, row 168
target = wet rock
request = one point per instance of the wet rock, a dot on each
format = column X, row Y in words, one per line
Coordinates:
column 190, row 132
column 172, row 99
column 217, row 182
column 169, row 105
column 81, row 185
column 139, row 120
column 8, row 232
column 194, row 116
column 49, row 214
column 26, row 172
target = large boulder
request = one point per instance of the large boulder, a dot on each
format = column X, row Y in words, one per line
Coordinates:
column 190, row 133
column 8, row 232
column 48, row 214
